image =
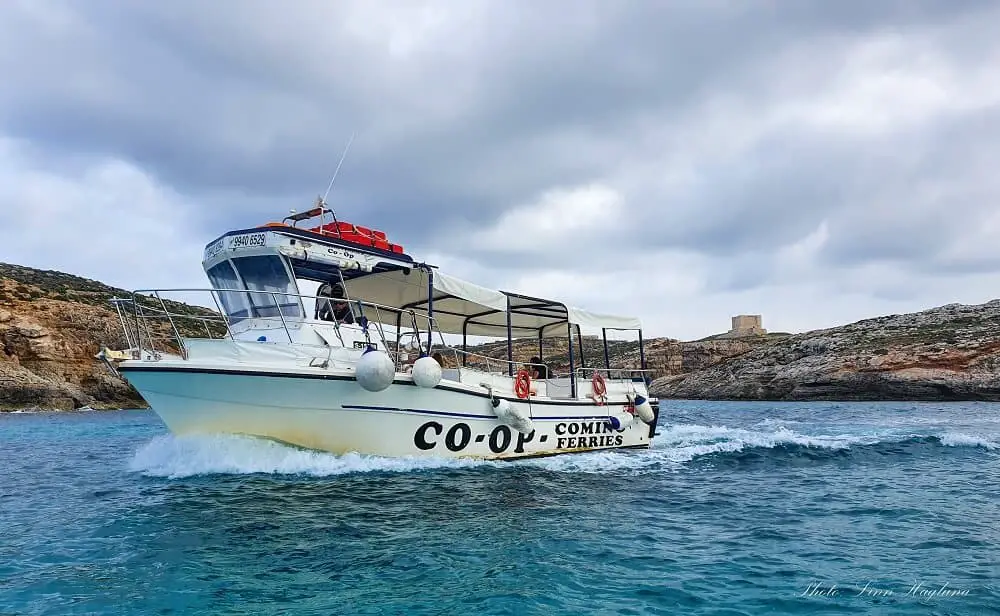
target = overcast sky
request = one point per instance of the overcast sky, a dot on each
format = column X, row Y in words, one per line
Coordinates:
column 815, row 162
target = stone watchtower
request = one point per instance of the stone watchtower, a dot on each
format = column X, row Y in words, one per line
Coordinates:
column 746, row 325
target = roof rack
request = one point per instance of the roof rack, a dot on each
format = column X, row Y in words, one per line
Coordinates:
column 313, row 213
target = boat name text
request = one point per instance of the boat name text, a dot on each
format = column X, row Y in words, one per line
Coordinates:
column 346, row 254
column 568, row 439
column 214, row 248
column 569, row 435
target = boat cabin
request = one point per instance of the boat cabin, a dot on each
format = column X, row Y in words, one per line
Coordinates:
column 256, row 270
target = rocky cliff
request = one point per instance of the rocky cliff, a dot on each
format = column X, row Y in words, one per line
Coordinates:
column 947, row 353
column 51, row 326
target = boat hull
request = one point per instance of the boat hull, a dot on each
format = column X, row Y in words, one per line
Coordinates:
column 331, row 412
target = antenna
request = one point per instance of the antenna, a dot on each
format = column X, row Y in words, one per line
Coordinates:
column 334, row 178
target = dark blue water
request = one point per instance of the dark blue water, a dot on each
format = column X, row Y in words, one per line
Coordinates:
column 739, row 509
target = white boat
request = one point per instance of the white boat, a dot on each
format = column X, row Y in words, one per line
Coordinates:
column 396, row 381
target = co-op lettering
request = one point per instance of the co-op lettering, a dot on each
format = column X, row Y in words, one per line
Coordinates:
column 591, row 434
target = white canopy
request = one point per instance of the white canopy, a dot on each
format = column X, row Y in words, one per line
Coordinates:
column 464, row 307
column 585, row 318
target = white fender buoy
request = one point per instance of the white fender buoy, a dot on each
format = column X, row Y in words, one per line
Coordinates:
column 375, row 370
column 620, row 421
column 426, row 372
column 642, row 408
column 512, row 416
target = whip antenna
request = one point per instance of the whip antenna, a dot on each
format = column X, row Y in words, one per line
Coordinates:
column 342, row 157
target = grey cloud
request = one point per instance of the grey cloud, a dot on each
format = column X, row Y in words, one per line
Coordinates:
column 191, row 67
column 243, row 108
column 940, row 189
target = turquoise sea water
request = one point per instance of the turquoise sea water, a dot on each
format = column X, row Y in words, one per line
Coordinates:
column 740, row 508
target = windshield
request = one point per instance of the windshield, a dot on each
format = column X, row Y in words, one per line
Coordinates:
column 276, row 289
column 236, row 305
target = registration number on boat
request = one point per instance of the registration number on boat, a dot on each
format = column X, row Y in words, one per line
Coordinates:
column 248, row 241
column 213, row 249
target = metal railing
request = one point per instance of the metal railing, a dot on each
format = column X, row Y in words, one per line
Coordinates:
column 156, row 324
column 149, row 323
column 156, row 329
column 482, row 363
column 504, row 367
column 623, row 374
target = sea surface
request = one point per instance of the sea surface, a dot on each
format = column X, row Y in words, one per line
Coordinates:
column 739, row 508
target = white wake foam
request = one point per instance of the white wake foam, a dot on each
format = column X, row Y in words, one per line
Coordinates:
column 175, row 457
column 960, row 439
column 686, row 442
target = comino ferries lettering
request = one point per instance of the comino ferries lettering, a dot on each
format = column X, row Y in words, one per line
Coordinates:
column 592, row 434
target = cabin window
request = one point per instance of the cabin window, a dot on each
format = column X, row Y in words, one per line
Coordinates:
column 236, row 305
column 275, row 289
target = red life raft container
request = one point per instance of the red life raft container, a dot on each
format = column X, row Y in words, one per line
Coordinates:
column 357, row 234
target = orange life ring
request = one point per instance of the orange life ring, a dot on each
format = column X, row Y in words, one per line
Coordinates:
column 522, row 384
column 598, row 388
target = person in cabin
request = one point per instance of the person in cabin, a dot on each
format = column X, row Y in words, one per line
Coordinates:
column 538, row 372
column 328, row 308
column 537, row 369
column 324, row 310
column 341, row 309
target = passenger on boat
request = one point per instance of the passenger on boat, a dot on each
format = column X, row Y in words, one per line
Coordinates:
column 326, row 310
column 537, row 369
column 438, row 358
column 538, row 372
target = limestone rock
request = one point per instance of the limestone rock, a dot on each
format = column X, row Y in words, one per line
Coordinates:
column 47, row 346
column 946, row 353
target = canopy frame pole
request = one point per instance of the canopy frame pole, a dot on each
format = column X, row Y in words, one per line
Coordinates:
column 430, row 309
column 541, row 355
column 572, row 369
column 642, row 359
column 510, row 342
column 607, row 361
column 399, row 325
column 579, row 337
column 465, row 329
column 465, row 337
